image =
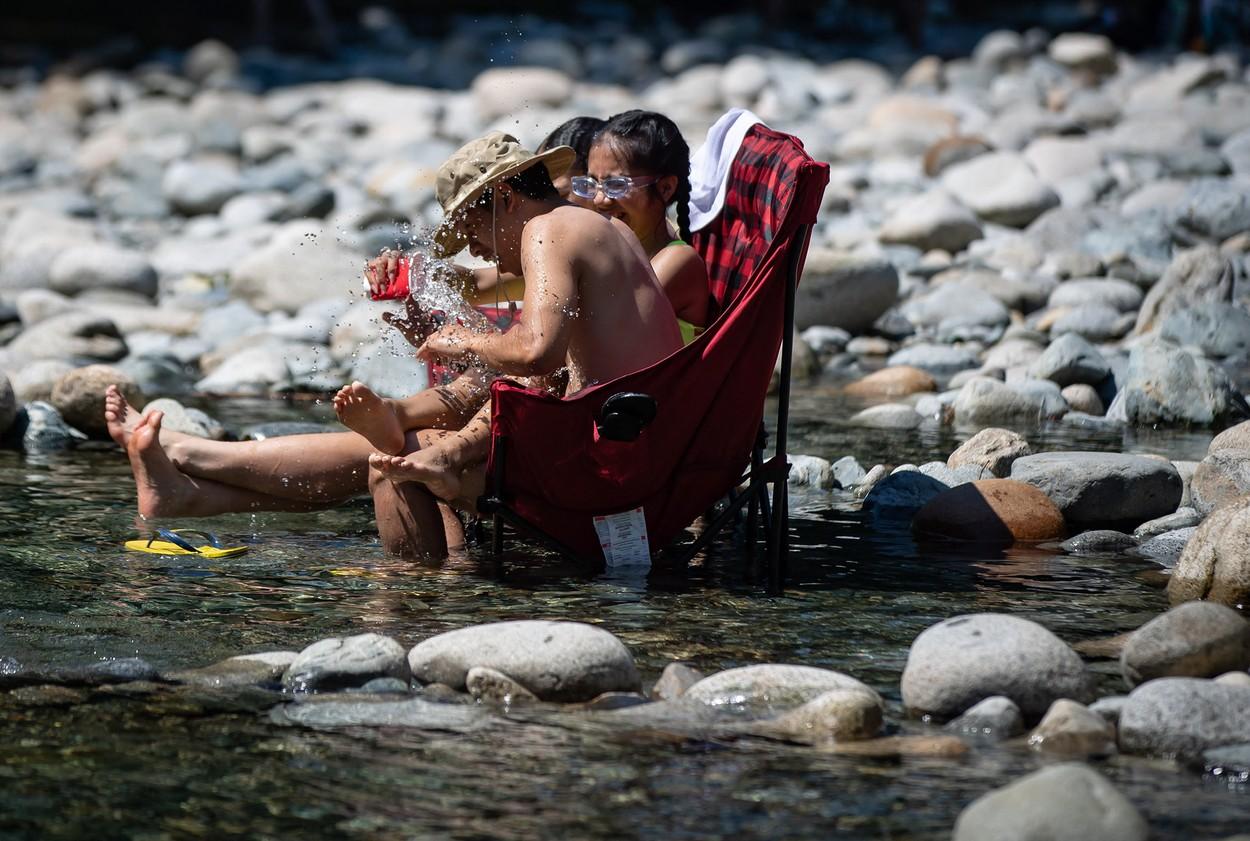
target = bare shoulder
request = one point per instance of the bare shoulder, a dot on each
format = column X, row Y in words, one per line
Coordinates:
column 567, row 221
column 681, row 263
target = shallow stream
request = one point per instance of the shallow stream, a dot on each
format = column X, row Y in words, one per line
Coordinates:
column 118, row 767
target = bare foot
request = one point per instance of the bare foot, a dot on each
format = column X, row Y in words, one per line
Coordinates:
column 120, row 417
column 364, row 412
column 430, row 467
column 164, row 491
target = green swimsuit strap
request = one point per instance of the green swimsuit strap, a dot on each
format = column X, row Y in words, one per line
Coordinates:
column 676, row 242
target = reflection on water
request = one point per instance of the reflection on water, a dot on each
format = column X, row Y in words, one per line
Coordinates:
column 112, row 768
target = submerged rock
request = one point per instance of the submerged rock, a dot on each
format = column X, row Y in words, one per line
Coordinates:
column 839, row 715
column 345, row 661
column 1183, row 716
column 990, row 511
column 1098, row 488
column 1216, row 562
column 411, row 712
column 489, row 685
column 963, row 660
column 1068, row 802
column 556, row 661
column 994, row 718
column 899, row 495
column 1195, row 639
column 768, row 689
column 1099, row 540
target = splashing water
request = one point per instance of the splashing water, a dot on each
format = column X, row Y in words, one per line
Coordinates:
column 429, row 284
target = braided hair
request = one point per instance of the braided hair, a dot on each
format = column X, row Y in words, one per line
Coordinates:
column 653, row 143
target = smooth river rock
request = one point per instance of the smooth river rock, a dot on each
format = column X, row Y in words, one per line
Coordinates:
column 1194, row 639
column 345, row 661
column 1071, row 730
column 79, row 397
column 1222, row 477
column 839, row 715
column 1167, row 385
column 996, row 511
column 1103, row 488
column 769, row 689
column 1216, row 562
column 992, row 448
column 1067, row 802
column 994, row 718
column 557, row 661
column 1183, row 716
column 963, row 660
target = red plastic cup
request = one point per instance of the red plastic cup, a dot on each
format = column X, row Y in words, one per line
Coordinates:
column 398, row 287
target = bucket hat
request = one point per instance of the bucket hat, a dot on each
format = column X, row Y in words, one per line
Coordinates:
column 473, row 168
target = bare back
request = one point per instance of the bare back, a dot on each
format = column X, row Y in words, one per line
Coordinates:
column 588, row 275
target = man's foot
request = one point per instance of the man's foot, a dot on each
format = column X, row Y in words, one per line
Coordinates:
column 363, row 412
column 164, row 491
column 120, row 417
column 430, row 467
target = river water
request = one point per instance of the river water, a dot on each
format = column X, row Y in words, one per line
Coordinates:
column 118, row 767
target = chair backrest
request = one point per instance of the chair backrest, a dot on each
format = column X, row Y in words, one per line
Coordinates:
column 760, row 192
column 558, row 473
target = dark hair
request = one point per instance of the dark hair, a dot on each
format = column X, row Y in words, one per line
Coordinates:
column 652, row 142
column 534, row 182
column 578, row 133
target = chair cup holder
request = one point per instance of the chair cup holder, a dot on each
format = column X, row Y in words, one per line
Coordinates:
column 624, row 415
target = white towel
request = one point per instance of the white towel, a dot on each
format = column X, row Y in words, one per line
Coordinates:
column 709, row 165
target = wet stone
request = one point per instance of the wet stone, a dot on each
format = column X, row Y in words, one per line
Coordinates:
column 1180, row 519
column 615, row 701
column 767, row 689
column 1070, row 729
column 899, row 747
column 1194, row 639
column 496, row 688
column 1183, row 716
column 674, row 681
column 840, row 715
column 345, row 661
column 1099, row 541
column 1168, row 547
column 994, row 718
column 48, row 696
column 414, row 712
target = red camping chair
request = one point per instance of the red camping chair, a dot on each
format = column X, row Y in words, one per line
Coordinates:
column 557, row 463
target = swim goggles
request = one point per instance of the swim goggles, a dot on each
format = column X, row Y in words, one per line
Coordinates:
column 614, row 186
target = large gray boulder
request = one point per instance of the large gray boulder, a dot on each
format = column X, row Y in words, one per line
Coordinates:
column 1216, row 562
column 769, row 689
column 844, row 290
column 955, row 304
column 932, row 220
column 1168, row 385
column 345, row 662
column 1183, row 716
column 77, row 337
column 1103, row 488
column 1069, row 802
column 1219, row 329
column 1000, row 187
column 1070, row 359
column 1194, row 639
column 557, row 661
column 305, row 251
column 1223, row 476
column 1215, row 207
column 986, row 401
column 963, row 660
column 1197, row 276
column 102, row 267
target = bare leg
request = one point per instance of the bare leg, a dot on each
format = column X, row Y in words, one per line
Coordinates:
column 409, row 522
column 164, row 491
column 443, row 465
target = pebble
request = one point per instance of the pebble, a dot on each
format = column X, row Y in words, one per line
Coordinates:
column 1194, row 639
column 965, row 659
column 1069, row 801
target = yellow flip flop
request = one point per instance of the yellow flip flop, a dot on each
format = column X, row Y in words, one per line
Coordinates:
column 169, row 542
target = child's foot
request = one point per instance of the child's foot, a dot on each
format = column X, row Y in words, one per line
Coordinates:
column 430, row 467
column 363, row 412
column 164, row 491
column 119, row 416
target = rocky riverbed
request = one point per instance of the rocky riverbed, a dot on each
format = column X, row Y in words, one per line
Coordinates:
column 1037, row 246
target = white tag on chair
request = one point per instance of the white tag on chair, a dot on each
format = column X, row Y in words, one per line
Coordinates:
column 624, row 539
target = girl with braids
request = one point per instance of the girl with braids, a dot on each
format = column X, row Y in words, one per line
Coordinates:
column 638, row 166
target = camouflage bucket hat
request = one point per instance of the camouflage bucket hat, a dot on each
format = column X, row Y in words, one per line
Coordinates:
column 476, row 166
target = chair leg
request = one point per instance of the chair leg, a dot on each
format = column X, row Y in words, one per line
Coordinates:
column 753, row 508
column 777, row 538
